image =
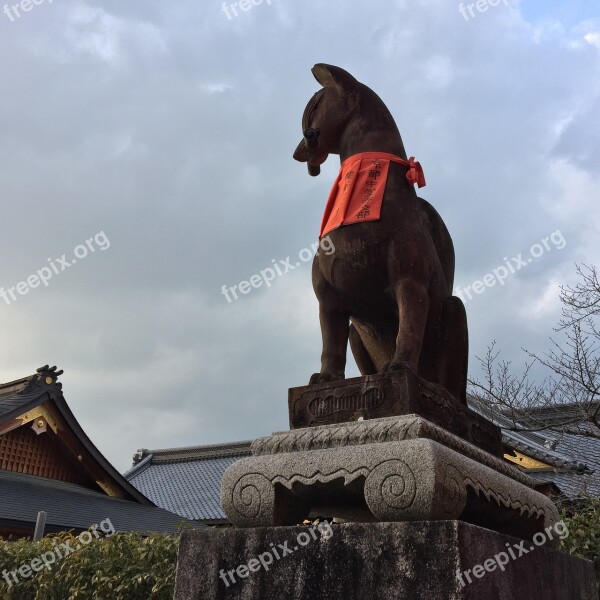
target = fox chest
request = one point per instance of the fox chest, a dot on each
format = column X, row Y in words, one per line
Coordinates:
column 356, row 266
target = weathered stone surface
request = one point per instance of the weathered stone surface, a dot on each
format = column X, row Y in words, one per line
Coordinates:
column 382, row 561
column 390, row 394
column 372, row 431
column 409, row 480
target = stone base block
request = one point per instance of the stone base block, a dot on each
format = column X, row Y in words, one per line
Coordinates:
column 390, row 394
column 383, row 561
column 394, row 469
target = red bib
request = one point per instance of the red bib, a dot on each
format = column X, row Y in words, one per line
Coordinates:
column 358, row 191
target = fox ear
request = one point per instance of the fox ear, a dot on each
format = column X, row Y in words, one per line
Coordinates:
column 330, row 76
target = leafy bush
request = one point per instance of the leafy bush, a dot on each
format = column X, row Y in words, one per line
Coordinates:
column 583, row 540
column 126, row 566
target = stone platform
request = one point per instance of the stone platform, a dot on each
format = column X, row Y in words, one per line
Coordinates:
column 392, row 469
column 383, row 561
column 386, row 395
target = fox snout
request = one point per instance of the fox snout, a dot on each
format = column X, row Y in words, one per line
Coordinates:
column 306, row 149
column 301, row 152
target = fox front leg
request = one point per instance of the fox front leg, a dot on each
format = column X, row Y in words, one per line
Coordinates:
column 335, row 329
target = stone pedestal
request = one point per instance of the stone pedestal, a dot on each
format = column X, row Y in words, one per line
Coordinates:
column 383, row 561
column 393, row 469
column 424, row 495
column 390, row 394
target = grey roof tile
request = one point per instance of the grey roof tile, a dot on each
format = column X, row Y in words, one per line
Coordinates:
column 190, row 487
column 71, row 506
column 575, row 458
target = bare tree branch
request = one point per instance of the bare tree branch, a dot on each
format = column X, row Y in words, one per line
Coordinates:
column 567, row 401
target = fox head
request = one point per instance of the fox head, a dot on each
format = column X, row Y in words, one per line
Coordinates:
column 327, row 115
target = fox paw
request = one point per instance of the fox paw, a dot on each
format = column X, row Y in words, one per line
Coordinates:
column 324, row 378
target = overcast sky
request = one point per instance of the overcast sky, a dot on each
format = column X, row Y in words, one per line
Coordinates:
column 163, row 132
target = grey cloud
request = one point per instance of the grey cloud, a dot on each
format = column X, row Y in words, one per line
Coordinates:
column 171, row 129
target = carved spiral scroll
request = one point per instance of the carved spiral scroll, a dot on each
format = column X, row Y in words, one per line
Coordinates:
column 390, row 489
column 253, row 497
column 454, row 493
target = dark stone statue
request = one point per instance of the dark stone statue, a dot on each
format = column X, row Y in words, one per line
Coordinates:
column 387, row 288
column 397, row 447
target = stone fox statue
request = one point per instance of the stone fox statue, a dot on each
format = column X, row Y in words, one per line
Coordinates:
column 387, row 288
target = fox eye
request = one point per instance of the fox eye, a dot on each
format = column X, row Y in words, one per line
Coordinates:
column 310, row 110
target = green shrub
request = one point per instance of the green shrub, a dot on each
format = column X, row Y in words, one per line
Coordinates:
column 583, row 521
column 127, row 566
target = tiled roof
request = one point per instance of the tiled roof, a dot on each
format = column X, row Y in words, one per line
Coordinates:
column 588, row 450
column 187, row 481
column 71, row 506
column 170, row 455
column 18, row 397
column 575, row 458
column 532, row 444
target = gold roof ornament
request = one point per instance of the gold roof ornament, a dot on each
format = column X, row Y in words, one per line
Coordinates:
column 526, row 462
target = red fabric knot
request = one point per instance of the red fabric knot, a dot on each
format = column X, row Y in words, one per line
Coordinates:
column 415, row 172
